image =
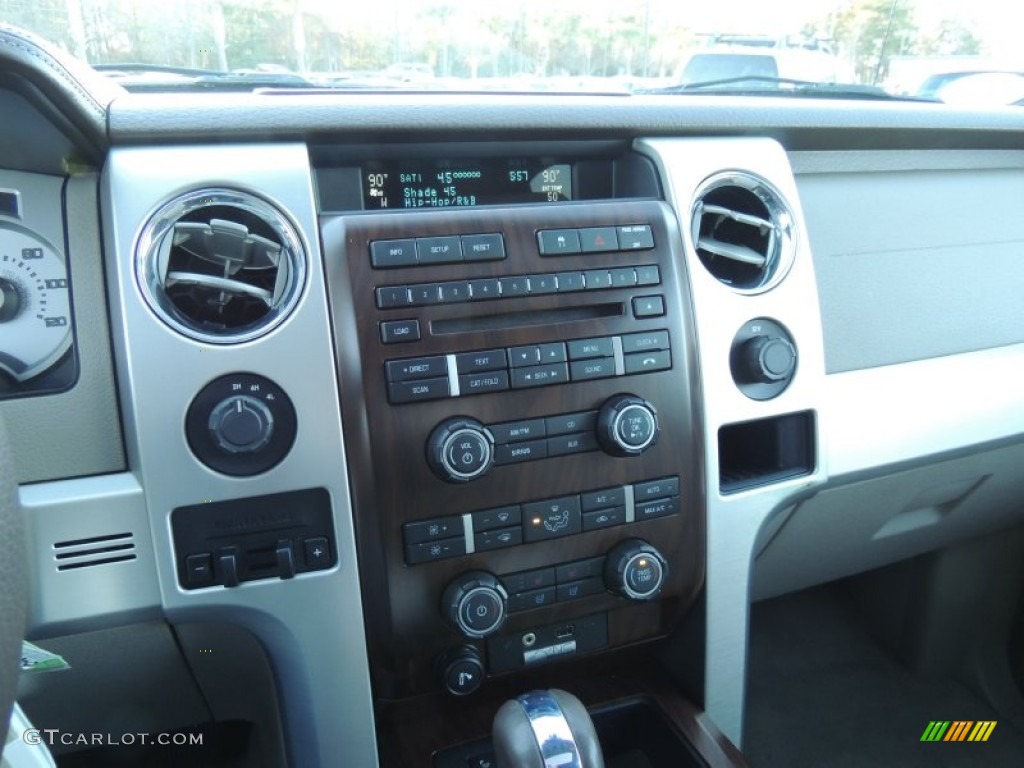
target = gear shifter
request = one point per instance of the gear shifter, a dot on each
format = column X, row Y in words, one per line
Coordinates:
column 545, row 729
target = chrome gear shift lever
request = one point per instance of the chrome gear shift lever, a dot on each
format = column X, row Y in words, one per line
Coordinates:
column 545, row 729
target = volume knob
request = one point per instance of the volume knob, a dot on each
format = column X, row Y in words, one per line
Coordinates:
column 460, row 450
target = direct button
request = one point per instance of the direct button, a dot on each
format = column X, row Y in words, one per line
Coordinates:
column 416, row 368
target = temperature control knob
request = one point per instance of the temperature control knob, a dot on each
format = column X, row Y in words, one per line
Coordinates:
column 241, row 424
column 460, row 449
column 475, row 604
column 627, row 425
column 635, row 570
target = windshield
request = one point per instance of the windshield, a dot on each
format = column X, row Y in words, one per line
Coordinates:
column 944, row 50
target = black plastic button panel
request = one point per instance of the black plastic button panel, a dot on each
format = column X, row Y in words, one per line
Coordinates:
column 541, row 587
column 509, row 526
column 530, row 439
column 425, row 251
column 558, row 242
column 415, row 379
column 424, row 294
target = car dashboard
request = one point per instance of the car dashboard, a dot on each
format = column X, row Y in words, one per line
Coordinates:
column 353, row 414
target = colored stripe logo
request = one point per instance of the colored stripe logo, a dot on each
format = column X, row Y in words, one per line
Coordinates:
column 958, row 730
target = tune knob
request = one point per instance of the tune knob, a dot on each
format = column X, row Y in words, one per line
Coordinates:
column 241, row 424
column 460, row 450
column 765, row 359
column 475, row 604
column 627, row 425
column 635, row 570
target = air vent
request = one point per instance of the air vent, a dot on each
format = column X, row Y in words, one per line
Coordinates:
column 97, row 550
column 220, row 266
column 743, row 232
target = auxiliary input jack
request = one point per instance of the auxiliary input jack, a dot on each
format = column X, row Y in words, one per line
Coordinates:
column 529, row 639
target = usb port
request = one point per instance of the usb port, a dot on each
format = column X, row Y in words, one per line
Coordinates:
column 565, row 632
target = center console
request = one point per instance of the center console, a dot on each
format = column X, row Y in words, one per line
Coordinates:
column 527, row 477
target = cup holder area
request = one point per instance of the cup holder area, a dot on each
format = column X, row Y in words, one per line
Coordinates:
column 634, row 733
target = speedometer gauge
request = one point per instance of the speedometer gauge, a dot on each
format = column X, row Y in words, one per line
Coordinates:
column 35, row 304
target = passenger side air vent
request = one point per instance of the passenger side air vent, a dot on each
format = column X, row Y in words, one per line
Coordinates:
column 742, row 230
column 96, row 550
column 220, row 266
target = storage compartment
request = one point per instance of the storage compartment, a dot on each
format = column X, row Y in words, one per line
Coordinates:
column 765, row 451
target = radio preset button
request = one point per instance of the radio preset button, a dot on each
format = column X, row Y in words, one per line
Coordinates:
column 487, row 288
column 649, row 275
column 425, row 294
column 452, row 293
column 597, row 279
column 598, row 239
column 623, row 278
column 569, row 282
column 391, row 296
column 514, row 286
column 543, row 284
column 555, row 242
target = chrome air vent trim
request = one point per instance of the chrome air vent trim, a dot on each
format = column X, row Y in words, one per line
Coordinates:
column 220, row 265
column 743, row 231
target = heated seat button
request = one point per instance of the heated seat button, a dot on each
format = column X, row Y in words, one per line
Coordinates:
column 537, row 598
column 574, row 590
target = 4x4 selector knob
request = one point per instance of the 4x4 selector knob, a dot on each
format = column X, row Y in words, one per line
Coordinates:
column 767, row 359
column 460, row 449
column 635, row 570
column 627, row 425
column 475, row 603
column 241, row 424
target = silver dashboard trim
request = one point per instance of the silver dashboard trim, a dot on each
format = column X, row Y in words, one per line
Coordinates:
column 311, row 627
column 733, row 521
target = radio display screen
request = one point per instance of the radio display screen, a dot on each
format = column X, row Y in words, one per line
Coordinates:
column 461, row 183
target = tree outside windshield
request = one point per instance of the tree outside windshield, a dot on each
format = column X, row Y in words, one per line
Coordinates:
column 589, row 44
